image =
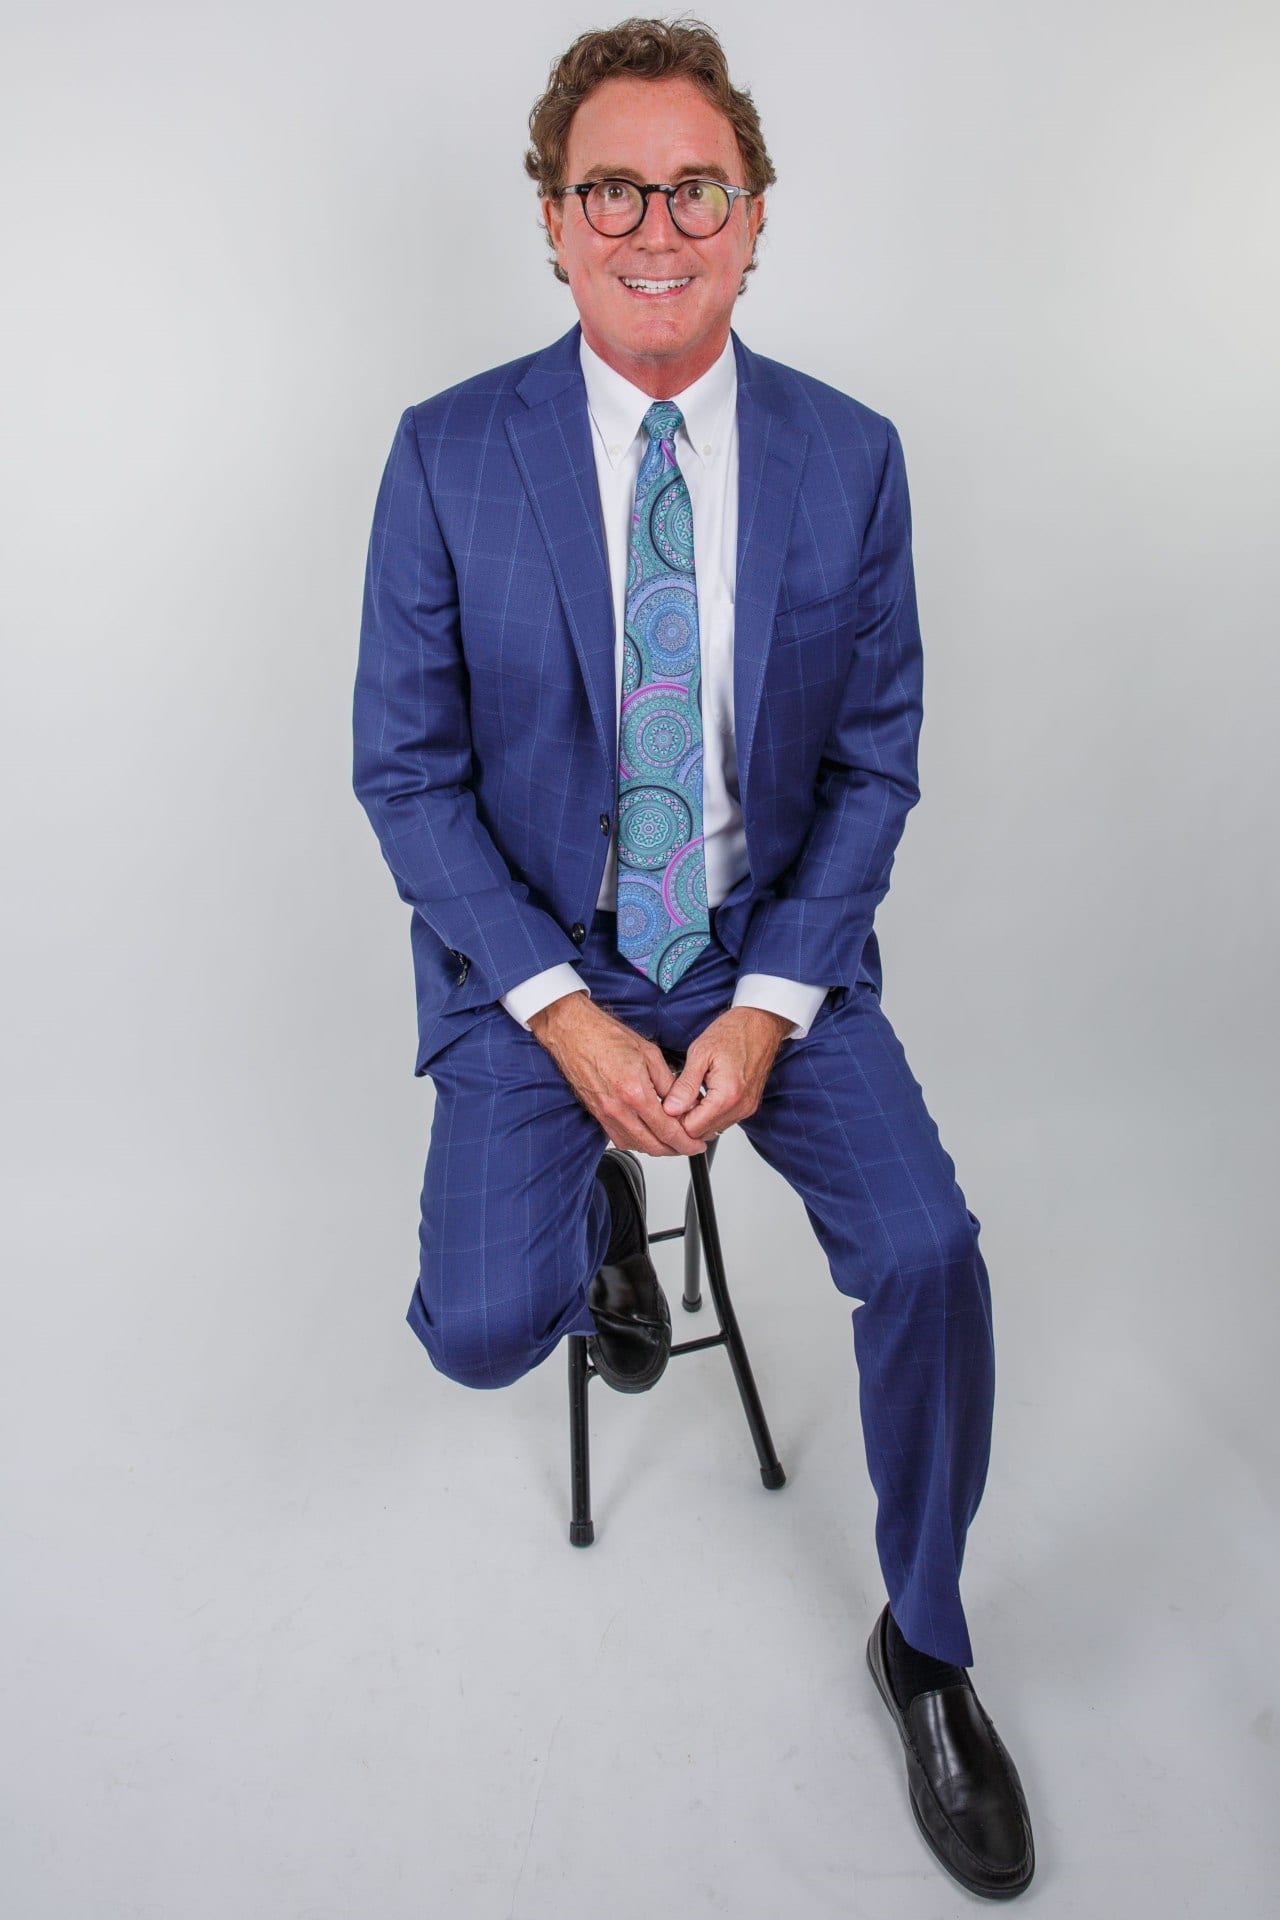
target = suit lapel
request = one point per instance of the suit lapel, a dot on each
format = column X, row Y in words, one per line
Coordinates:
column 770, row 462
column 551, row 441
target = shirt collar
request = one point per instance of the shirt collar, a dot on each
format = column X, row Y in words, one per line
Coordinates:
column 617, row 408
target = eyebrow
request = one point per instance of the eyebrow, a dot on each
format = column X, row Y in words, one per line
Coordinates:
column 698, row 170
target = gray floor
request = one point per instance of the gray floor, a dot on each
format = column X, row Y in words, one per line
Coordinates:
column 293, row 1627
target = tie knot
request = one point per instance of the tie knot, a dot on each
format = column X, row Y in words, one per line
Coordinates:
column 663, row 420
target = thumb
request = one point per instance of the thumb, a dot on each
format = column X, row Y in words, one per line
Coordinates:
column 684, row 1093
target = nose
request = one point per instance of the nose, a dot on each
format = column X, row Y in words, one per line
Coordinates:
column 657, row 231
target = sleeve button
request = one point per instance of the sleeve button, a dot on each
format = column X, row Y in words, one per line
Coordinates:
column 604, row 823
column 577, row 933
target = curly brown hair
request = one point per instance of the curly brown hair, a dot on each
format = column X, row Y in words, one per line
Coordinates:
column 647, row 50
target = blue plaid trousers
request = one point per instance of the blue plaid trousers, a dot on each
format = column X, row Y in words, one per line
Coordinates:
column 514, row 1225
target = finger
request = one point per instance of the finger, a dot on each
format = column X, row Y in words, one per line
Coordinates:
column 684, row 1094
column 646, row 1127
column 674, row 1132
column 661, row 1073
column 713, row 1115
column 639, row 1139
column 644, row 1140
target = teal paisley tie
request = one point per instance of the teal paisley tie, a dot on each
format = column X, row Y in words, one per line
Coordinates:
column 663, row 922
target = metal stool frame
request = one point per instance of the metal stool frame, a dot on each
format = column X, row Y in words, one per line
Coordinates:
column 701, row 1238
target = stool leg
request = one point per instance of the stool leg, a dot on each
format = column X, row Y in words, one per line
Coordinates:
column 693, row 1243
column 771, row 1471
column 692, row 1297
column 581, row 1528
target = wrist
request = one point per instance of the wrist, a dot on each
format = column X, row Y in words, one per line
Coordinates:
column 779, row 1024
column 549, row 1019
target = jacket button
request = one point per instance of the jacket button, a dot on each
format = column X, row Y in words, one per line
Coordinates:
column 577, row 933
column 604, row 823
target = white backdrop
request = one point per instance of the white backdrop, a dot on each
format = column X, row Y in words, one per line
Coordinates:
column 289, row 1622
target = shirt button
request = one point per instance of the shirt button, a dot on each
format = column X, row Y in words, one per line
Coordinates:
column 604, row 823
column 615, row 453
column 577, row 933
column 707, row 450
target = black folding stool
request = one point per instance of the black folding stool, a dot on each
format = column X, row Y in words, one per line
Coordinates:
column 701, row 1238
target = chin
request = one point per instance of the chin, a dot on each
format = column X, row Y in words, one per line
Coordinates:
column 671, row 329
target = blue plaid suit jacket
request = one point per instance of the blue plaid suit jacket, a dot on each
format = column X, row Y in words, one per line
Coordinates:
column 484, row 712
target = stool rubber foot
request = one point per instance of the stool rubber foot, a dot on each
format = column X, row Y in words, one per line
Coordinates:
column 691, row 1306
column 581, row 1533
column 773, row 1477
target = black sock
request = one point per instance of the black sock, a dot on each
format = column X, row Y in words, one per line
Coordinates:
column 912, row 1672
column 626, row 1230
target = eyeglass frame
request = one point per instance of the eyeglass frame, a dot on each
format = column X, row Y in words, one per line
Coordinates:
column 669, row 192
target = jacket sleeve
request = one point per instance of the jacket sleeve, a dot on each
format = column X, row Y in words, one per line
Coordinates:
column 413, row 751
column 813, row 923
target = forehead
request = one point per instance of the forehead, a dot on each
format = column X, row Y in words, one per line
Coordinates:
column 653, row 128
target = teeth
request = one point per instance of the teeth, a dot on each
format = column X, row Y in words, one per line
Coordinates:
column 656, row 286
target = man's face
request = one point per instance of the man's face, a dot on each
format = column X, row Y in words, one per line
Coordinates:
column 645, row 130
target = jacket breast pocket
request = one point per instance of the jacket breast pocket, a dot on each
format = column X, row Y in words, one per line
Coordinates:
column 831, row 614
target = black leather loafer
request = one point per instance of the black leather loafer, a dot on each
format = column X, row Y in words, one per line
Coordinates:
column 965, row 1791
column 632, row 1341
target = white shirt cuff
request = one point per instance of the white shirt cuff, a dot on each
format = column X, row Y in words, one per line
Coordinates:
column 794, row 1000
column 530, row 996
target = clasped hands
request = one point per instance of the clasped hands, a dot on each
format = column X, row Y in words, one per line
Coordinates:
column 640, row 1101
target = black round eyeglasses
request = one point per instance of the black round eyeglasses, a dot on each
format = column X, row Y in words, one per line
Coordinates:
column 698, row 208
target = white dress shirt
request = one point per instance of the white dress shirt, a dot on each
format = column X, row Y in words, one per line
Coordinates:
column 707, row 455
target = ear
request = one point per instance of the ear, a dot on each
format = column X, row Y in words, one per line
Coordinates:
column 755, row 218
column 553, row 219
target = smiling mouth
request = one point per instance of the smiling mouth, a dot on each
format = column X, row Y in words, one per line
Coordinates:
column 655, row 288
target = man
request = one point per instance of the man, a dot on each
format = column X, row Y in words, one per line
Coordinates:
column 635, row 722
